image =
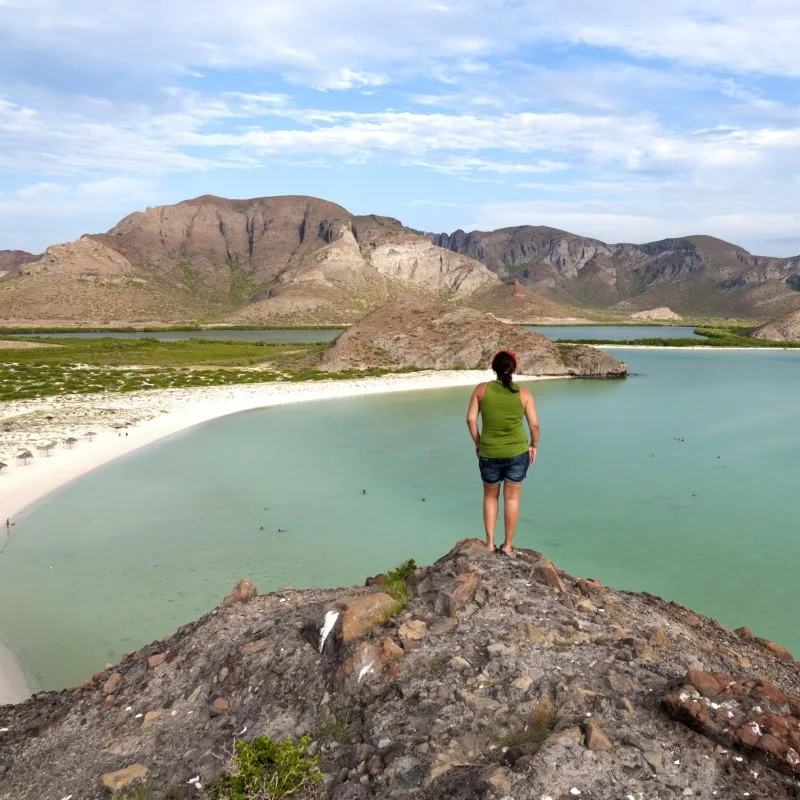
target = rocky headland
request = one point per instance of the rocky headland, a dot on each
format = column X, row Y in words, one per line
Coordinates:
column 783, row 329
column 427, row 336
column 481, row 676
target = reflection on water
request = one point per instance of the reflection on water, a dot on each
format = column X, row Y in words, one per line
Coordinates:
column 679, row 481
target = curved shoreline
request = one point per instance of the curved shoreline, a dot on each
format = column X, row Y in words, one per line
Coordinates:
column 173, row 411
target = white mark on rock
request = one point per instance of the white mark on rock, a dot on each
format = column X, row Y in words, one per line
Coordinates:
column 196, row 779
column 138, row 716
column 758, row 709
column 755, row 728
column 68, row 797
column 365, row 670
column 738, row 758
column 327, row 627
column 242, row 731
column 574, row 791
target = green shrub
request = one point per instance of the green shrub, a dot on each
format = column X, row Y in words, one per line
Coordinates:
column 267, row 770
column 396, row 582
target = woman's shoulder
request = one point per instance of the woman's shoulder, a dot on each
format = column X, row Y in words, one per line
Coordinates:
column 525, row 394
column 480, row 390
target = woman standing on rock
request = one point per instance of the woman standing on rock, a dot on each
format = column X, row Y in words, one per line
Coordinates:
column 501, row 445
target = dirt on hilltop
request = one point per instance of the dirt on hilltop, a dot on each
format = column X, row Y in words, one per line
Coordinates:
column 412, row 334
column 501, row 677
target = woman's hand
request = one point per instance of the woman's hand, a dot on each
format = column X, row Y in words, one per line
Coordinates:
column 532, row 454
column 477, row 450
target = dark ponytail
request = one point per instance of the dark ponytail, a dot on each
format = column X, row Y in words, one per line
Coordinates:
column 504, row 364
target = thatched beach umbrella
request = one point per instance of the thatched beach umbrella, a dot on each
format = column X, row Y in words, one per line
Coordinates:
column 25, row 456
column 3, row 465
column 90, row 435
column 70, row 441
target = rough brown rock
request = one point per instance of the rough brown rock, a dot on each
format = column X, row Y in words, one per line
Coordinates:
column 596, row 737
column 156, row 660
column 122, row 778
column 112, row 683
column 361, row 614
column 544, row 572
column 753, row 715
column 243, row 591
column 409, row 333
column 777, row 650
column 457, row 593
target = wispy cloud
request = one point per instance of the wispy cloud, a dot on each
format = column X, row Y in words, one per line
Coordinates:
column 616, row 119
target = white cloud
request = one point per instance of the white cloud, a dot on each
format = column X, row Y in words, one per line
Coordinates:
column 318, row 39
column 43, row 189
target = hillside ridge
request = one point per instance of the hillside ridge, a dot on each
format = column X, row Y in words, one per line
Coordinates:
column 295, row 259
column 478, row 676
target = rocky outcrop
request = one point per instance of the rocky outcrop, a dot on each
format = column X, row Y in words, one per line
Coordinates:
column 501, row 677
column 783, row 329
column 410, row 334
column 86, row 259
column 662, row 314
column 695, row 274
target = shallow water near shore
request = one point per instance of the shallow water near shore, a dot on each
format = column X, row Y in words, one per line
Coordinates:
column 680, row 481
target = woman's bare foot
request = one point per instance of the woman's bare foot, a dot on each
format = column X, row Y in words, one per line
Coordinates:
column 490, row 546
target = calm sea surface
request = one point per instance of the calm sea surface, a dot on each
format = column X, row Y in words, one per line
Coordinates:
column 617, row 333
column 153, row 540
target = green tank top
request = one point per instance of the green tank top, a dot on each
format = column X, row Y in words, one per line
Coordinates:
column 502, row 432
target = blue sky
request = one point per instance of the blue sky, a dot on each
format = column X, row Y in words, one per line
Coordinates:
column 627, row 122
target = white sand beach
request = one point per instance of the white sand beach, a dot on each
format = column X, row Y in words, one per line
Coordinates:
column 122, row 423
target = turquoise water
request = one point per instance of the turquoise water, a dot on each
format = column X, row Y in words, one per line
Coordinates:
column 615, row 332
column 150, row 541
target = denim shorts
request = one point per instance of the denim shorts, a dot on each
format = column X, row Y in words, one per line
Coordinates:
column 513, row 470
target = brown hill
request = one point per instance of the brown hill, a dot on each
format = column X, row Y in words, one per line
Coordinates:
column 408, row 333
column 501, row 677
column 783, row 329
column 693, row 275
column 272, row 259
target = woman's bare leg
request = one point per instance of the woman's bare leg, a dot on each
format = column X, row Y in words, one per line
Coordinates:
column 491, row 493
column 511, row 493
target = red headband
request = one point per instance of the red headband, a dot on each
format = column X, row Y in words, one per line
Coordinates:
column 508, row 353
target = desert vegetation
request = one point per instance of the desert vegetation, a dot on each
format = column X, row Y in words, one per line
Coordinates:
column 86, row 366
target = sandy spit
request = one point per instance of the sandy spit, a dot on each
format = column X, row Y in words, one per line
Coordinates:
column 149, row 416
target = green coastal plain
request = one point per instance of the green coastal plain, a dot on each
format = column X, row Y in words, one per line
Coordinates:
column 114, row 364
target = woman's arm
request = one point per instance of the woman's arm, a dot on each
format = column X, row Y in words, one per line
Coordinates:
column 533, row 422
column 473, row 410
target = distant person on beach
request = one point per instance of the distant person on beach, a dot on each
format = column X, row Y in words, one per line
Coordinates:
column 503, row 450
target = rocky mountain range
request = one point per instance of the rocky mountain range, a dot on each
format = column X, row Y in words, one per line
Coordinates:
column 693, row 275
column 301, row 260
column 279, row 260
column 412, row 334
column 480, row 676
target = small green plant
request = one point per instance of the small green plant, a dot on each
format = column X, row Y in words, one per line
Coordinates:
column 267, row 770
column 396, row 583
